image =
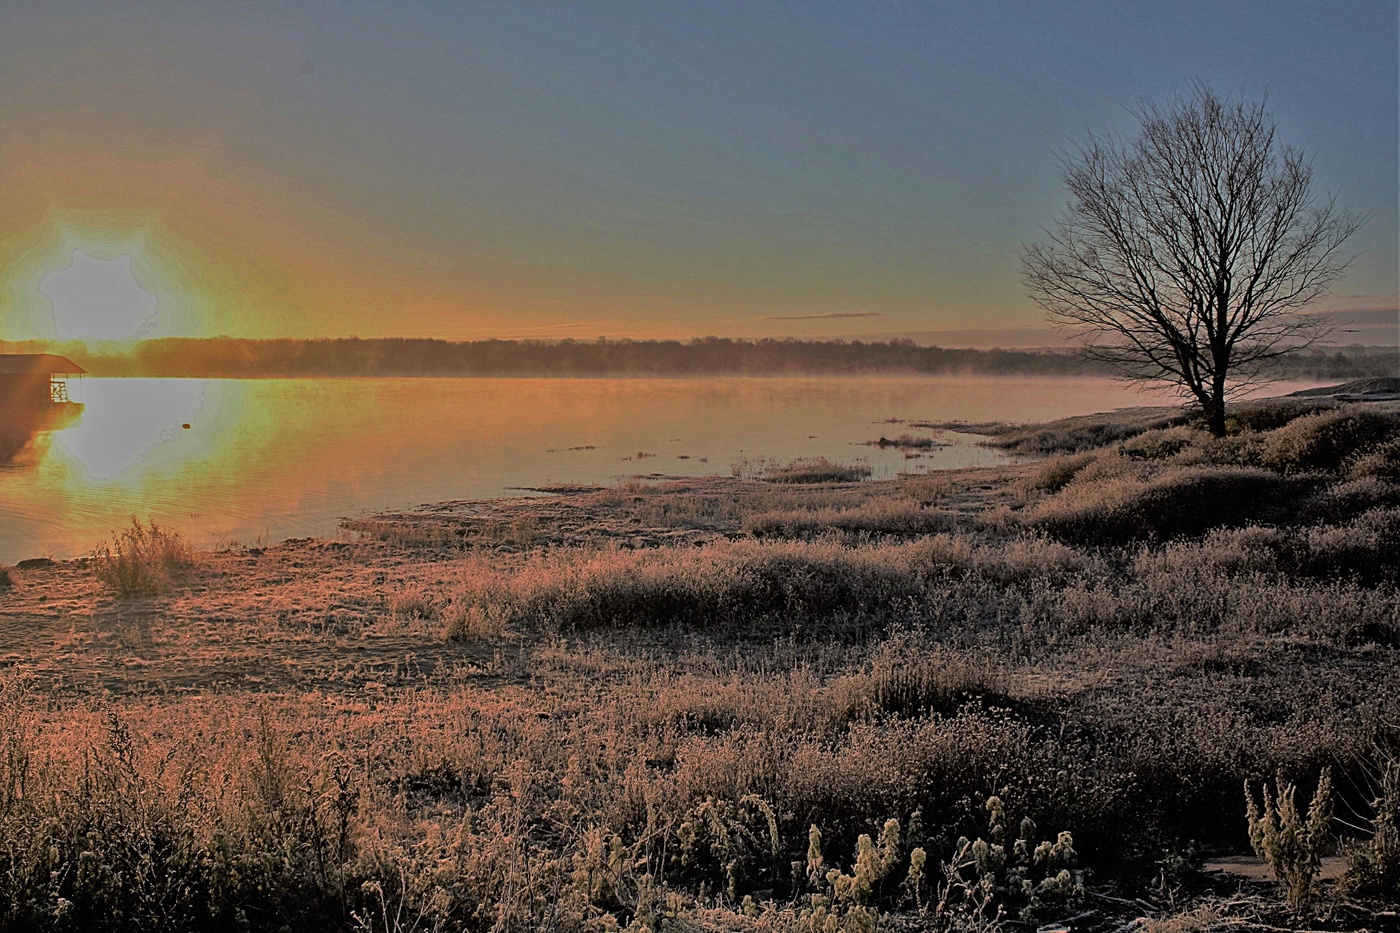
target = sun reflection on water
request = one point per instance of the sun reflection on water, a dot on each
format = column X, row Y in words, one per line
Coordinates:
column 134, row 430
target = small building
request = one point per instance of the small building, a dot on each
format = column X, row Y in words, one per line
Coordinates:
column 35, row 380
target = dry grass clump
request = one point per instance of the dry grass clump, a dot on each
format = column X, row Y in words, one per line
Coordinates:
column 462, row 598
column 1362, row 549
column 1231, row 552
column 806, row 470
column 1269, row 414
column 1058, row 471
column 1231, row 450
column 1206, row 918
column 1086, row 432
column 743, row 585
column 1173, row 482
column 143, row 560
column 106, row 829
column 906, row 678
column 1343, row 501
column 439, row 533
column 1034, row 560
column 1382, row 462
column 1303, row 435
column 1162, row 443
column 738, row 583
column 1179, row 501
column 726, row 507
column 905, row 442
column 1327, row 440
column 889, row 516
column 412, row 533
column 1365, row 548
column 415, row 601
column 465, row 620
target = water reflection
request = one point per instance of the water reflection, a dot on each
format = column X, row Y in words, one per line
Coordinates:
column 137, row 429
column 33, row 401
column 23, row 428
column 267, row 459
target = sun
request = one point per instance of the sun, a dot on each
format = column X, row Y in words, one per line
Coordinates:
column 99, row 299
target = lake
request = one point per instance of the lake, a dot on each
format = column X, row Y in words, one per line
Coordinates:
column 263, row 460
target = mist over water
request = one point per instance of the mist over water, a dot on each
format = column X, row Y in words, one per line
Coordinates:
column 263, row 460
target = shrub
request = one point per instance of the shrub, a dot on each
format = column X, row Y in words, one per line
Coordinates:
column 1381, row 462
column 415, row 601
column 1365, row 548
column 1032, row 880
column 7, row 579
column 1059, row 471
column 1327, row 440
column 871, row 866
column 1270, row 414
column 1291, row 844
column 1161, row 443
column 467, row 620
column 846, row 902
column 1374, row 866
column 729, row 842
column 908, row 680
column 1182, row 501
column 1344, row 501
column 142, row 560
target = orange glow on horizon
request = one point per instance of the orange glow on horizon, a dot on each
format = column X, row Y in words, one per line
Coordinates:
column 243, row 252
column 251, row 255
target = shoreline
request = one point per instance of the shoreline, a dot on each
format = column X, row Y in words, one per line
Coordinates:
column 1369, row 390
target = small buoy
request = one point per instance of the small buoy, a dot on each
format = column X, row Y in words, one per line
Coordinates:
column 186, row 425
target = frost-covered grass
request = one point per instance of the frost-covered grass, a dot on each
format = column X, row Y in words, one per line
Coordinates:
column 732, row 705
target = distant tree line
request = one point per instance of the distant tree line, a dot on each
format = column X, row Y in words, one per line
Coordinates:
column 225, row 357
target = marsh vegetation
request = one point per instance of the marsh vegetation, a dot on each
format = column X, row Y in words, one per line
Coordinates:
column 983, row 699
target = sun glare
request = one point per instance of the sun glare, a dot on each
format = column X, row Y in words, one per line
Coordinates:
column 134, row 428
column 99, row 299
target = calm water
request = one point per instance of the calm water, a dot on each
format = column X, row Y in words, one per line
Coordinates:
column 264, row 460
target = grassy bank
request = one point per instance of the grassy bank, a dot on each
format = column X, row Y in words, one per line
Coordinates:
column 985, row 699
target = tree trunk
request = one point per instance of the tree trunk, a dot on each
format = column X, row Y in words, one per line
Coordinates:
column 1214, row 406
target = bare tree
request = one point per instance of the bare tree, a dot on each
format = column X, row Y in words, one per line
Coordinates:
column 1188, row 250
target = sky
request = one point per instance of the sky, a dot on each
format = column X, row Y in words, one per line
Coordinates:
column 550, row 170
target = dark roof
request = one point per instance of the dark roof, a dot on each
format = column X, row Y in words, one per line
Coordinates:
column 38, row 363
